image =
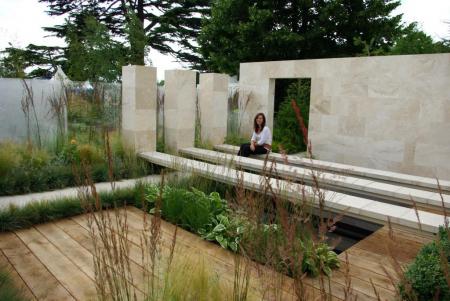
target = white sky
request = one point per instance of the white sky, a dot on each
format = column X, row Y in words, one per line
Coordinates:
column 21, row 23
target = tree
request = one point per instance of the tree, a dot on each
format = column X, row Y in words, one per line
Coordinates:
column 92, row 54
column 415, row 41
column 42, row 61
column 158, row 24
column 257, row 30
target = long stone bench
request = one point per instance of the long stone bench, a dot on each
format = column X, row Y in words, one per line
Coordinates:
column 358, row 207
column 362, row 172
column 332, row 181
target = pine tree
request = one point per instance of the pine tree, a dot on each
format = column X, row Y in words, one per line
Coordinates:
column 157, row 24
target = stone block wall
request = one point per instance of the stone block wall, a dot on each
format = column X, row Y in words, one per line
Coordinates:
column 387, row 112
column 139, row 107
column 213, row 107
column 179, row 109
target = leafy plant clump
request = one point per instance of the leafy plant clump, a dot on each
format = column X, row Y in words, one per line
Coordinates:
column 206, row 215
column 317, row 258
column 425, row 278
column 211, row 218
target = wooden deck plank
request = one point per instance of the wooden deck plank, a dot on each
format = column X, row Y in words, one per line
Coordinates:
column 82, row 236
column 136, row 251
column 363, row 286
column 75, row 281
column 186, row 245
column 227, row 258
column 371, row 262
column 78, row 255
column 367, row 275
column 66, row 245
column 42, row 283
column 403, row 245
column 15, row 278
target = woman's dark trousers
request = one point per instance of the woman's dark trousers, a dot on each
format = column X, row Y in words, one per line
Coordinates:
column 245, row 150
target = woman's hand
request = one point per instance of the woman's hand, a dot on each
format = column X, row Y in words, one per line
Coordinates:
column 252, row 147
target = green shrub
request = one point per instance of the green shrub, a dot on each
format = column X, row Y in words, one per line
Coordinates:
column 207, row 215
column 425, row 275
column 286, row 131
column 192, row 210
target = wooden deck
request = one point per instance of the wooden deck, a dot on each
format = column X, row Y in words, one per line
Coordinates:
column 54, row 261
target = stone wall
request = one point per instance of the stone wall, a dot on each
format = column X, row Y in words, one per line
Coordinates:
column 139, row 107
column 387, row 112
column 213, row 107
column 179, row 109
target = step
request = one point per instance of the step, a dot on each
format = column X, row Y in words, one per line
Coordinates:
column 340, row 203
column 332, row 181
column 357, row 171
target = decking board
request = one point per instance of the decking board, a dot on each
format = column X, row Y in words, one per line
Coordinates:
column 19, row 283
column 55, row 261
column 68, row 274
column 43, row 284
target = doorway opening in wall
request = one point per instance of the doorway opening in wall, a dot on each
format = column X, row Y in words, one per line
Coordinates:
column 287, row 135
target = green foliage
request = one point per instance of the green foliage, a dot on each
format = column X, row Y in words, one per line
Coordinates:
column 44, row 59
column 8, row 291
column 25, row 170
column 265, row 243
column 13, row 218
column 207, row 215
column 318, row 258
column 203, row 184
column 415, row 41
column 93, row 54
column 426, row 274
column 250, row 30
column 235, row 139
column 226, row 230
column 192, row 280
column 286, row 131
column 176, row 22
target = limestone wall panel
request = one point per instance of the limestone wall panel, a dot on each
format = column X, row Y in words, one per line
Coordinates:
column 179, row 109
column 389, row 112
column 139, row 108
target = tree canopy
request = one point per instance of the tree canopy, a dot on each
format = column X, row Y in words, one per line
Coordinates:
column 44, row 59
column 415, row 41
column 258, row 30
column 158, row 24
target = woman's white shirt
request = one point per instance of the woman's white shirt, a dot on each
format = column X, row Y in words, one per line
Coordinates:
column 263, row 137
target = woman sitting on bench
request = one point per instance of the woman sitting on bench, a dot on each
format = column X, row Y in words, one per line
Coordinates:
column 261, row 141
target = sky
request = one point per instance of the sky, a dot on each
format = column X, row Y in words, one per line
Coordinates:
column 21, row 23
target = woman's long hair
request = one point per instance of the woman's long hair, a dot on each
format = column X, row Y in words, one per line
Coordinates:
column 255, row 125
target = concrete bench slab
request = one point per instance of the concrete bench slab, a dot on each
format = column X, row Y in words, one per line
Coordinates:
column 363, row 172
column 347, row 184
column 357, row 207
